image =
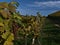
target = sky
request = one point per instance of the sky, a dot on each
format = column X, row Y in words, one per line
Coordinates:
column 31, row 7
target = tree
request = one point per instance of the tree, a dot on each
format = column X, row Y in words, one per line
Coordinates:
column 38, row 28
column 7, row 11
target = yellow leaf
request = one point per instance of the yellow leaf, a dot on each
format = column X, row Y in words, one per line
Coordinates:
column 4, row 13
column 4, row 35
column 3, row 5
column 9, row 40
column 8, row 43
column 1, row 24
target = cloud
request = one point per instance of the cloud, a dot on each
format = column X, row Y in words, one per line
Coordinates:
column 46, row 4
column 46, row 7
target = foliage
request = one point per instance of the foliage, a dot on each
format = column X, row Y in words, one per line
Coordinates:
column 29, row 30
column 5, row 18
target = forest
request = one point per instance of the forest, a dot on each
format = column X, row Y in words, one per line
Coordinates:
column 17, row 29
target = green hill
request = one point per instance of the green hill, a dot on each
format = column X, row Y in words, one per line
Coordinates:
column 55, row 17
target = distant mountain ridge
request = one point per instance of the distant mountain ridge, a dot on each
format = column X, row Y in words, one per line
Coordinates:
column 57, row 13
column 55, row 17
